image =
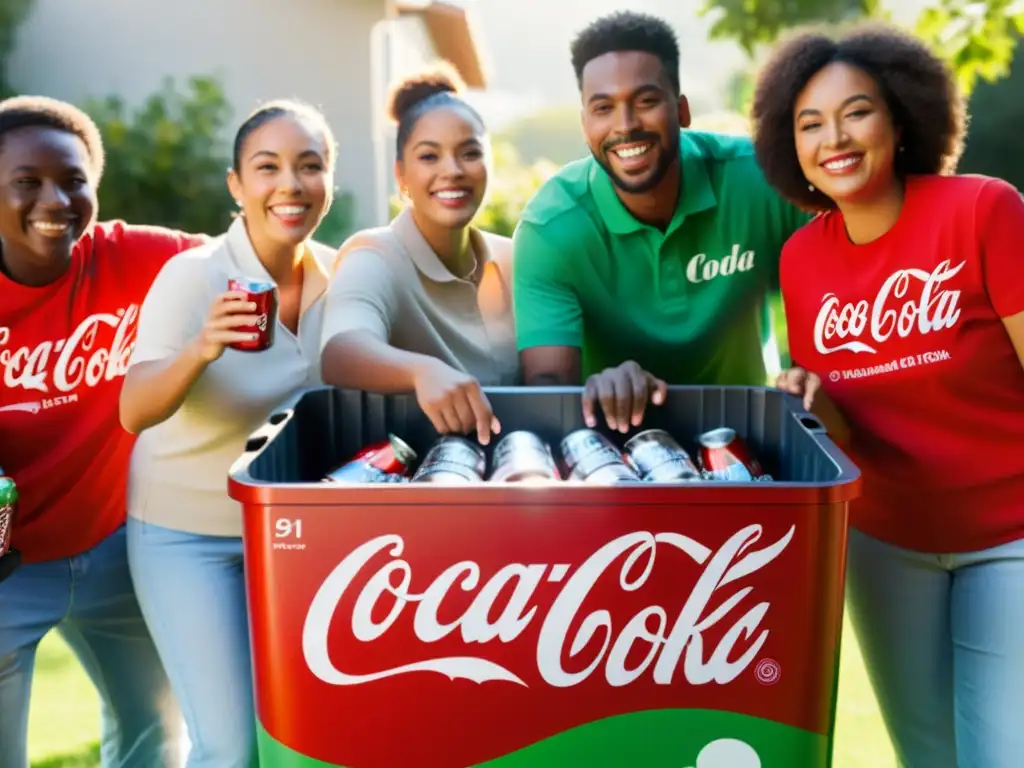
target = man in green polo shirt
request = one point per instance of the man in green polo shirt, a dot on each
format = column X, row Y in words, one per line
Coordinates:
column 660, row 250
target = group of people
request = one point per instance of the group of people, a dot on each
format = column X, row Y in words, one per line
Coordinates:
column 650, row 262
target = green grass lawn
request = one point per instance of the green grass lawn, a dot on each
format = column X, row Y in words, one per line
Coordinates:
column 65, row 715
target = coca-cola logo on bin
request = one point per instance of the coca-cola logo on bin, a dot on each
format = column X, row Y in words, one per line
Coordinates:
column 672, row 635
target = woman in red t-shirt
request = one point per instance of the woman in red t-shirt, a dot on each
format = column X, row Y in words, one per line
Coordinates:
column 905, row 308
column 70, row 293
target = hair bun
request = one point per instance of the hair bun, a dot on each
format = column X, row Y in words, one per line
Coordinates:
column 441, row 78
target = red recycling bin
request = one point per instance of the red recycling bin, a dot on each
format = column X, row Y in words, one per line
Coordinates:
column 653, row 626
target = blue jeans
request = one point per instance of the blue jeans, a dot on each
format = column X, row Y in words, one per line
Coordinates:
column 943, row 641
column 89, row 600
column 192, row 592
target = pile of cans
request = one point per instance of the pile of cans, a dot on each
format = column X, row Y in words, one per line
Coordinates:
column 587, row 456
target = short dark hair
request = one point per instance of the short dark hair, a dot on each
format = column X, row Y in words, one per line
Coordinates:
column 43, row 112
column 918, row 88
column 627, row 31
column 272, row 110
column 412, row 97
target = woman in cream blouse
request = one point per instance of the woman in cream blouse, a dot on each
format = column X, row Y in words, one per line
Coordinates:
column 193, row 401
column 424, row 304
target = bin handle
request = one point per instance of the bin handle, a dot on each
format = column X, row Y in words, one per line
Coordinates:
column 805, row 418
column 266, row 432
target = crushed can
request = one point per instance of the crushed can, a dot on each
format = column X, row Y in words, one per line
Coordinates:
column 389, row 461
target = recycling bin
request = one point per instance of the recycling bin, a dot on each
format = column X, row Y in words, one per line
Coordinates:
column 645, row 626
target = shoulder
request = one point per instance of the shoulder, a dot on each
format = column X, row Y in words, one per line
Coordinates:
column 719, row 147
column 557, row 203
column 499, row 250
column 961, row 200
column 119, row 237
column 199, row 261
column 376, row 244
column 807, row 242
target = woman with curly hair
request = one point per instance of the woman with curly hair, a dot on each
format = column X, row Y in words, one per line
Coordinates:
column 905, row 306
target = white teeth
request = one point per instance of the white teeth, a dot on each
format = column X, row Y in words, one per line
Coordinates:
column 838, row 165
column 50, row 228
column 290, row 210
column 633, row 151
column 451, row 194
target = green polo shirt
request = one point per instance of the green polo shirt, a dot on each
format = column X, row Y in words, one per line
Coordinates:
column 688, row 304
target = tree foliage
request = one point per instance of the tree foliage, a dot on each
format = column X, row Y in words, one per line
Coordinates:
column 977, row 38
column 167, row 159
column 12, row 14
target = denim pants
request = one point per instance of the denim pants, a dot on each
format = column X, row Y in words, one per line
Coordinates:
column 192, row 592
column 89, row 599
column 943, row 641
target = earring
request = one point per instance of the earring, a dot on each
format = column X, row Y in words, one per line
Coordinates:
column 810, row 187
column 901, row 147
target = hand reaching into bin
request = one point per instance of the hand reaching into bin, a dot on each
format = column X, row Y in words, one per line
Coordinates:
column 801, row 383
column 623, row 392
column 454, row 401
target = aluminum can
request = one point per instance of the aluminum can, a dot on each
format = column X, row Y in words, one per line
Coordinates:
column 389, row 461
column 660, row 459
column 263, row 293
column 591, row 457
column 725, row 457
column 452, row 459
column 8, row 509
column 522, row 457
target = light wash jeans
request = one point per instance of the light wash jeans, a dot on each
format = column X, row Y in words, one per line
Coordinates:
column 89, row 599
column 943, row 641
column 192, row 592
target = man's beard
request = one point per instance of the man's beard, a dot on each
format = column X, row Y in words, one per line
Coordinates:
column 668, row 156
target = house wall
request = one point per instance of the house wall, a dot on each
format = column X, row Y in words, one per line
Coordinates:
column 323, row 51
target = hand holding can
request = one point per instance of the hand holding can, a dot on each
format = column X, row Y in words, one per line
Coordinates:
column 262, row 294
column 232, row 319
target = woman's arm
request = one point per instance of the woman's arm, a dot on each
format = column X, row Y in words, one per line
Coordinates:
column 360, row 359
column 154, row 390
column 168, row 358
column 361, row 306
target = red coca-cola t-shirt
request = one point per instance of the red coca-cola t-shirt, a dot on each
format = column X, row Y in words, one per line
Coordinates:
column 907, row 337
column 64, row 349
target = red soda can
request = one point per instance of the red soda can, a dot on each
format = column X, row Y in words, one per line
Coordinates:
column 389, row 461
column 263, row 293
column 725, row 457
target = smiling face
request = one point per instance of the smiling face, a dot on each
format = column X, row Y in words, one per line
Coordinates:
column 443, row 169
column 845, row 137
column 631, row 118
column 46, row 201
column 283, row 183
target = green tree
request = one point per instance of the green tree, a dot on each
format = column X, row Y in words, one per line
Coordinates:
column 12, row 14
column 167, row 160
column 997, row 112
column 978, row 38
